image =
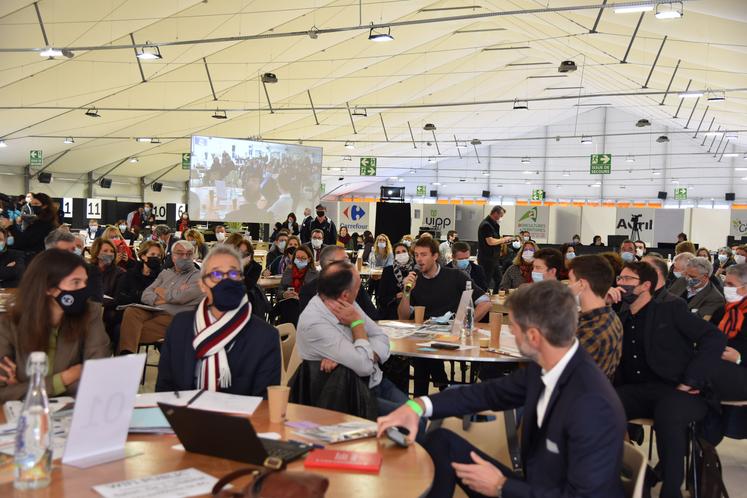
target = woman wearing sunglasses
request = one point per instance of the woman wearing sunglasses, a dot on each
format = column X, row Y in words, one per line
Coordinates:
column 220, row 346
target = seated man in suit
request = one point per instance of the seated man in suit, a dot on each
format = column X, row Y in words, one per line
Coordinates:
column 316, row 244
column 661, row 293
column 220, row 346
column 328, row 256
column 460, row 252
column 333, row 329
column 695, row 287
column 668, row 356
column 573, row 425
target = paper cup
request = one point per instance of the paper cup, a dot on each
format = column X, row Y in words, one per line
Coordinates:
column 277, row 399
column 496, row 322
column 419, row 314
column 484, row 342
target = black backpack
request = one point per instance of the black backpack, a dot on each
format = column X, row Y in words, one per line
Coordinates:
column 708, row 470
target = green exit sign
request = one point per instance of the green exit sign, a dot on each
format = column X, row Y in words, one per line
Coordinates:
column 601, row 164
column 420, row 190
column 538, row 195
column 368, row 166
column 680, row 194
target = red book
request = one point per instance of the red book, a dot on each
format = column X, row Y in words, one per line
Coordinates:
column 343, row 460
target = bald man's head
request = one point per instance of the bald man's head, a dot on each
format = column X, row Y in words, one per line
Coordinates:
column 339, row 280
column 332, row 254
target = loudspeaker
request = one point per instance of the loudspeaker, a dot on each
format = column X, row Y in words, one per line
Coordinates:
column 44, row 177
column 434, row 193
column 662, row 196
column 105, row 183
column 486, row 194
column 156, row 187
column 730, row 196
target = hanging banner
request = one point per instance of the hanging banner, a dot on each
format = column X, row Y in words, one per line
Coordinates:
column 535, row 220
column 738, row 223
column 439, row 217
column 355, row 216
column 644, row 223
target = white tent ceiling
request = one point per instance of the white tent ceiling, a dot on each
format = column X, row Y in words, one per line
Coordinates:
column 431, row 73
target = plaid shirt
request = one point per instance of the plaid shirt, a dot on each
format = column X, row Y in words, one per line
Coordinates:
column 600, row 332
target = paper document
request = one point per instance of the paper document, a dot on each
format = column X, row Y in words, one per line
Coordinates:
column 180, row 483
column 140, row 306
column 149, row 420
column 209, row 400
column 170, row 397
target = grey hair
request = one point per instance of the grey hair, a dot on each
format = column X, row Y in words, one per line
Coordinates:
column 725, row 250
column 740, row 270
column 219, row 250
column 685, row 257
column 187, row 246
column 701, row 264
column 161, row 230
column 548, row 306
column 328, row 253
column 56, row 236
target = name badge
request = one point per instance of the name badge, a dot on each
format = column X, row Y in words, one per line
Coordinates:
column 552, row 447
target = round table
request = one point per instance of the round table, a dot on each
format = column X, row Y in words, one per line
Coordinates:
column 270, row 282
column 406, row 472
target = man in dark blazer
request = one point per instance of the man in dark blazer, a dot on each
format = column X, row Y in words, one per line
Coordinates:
column 329, row 255
column 573, row 425
column 668, row 356
column 696, row 288
column 460, row 259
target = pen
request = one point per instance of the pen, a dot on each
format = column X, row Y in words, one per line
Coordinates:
column 194, row 398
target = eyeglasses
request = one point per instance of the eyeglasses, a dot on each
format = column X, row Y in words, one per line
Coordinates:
column 184, row 254
column 217, row 276
column 626, row 278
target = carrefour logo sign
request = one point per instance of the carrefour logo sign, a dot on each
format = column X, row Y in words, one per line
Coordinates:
column 354, row 212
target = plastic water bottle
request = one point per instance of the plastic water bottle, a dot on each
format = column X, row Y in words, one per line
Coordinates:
column 33, row 451
column 469, row 315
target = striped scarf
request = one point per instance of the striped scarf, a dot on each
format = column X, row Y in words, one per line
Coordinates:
column 733, row 318
column 212, row 339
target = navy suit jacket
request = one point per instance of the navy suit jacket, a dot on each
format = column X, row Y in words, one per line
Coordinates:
column 254, row 357
column 578, row 449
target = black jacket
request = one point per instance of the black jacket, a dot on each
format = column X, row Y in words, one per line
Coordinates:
column 305, row 232
column 328, row 227
column 254, row 357
column 386, row 294
column 476, row 273
column 340, row 390
column 10, row 276
column 252, row 272
column 31, row 240
column 132, row 284
column 739, row 342
column 309, row 290
column 577, row 451
column 672, row 333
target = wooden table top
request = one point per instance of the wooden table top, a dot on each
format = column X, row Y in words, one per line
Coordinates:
column 404, row 471
column 270, row 282
column 408, row 346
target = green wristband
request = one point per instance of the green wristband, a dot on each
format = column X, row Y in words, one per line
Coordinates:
column 414, row 406
column 360, row 321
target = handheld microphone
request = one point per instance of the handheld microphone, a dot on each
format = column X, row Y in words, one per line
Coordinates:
column 408, row 286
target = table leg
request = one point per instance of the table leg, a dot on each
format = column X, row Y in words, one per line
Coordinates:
column 512, row 439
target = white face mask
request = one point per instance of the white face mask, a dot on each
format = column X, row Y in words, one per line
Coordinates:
column 316, row 243
column 122, row 228
column 402, row 258
column 639, row 252
column 739, row 259
column 528, row 256
column 723, row 258
column 731, row 294
column 407, row 242
column 516, row 244
column 220, row 236
column 382, row 245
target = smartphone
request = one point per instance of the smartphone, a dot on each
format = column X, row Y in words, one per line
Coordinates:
column 398, row 435
column 443, row 345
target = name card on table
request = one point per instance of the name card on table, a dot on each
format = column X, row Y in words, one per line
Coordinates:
column 187, row 482
column 103, row 410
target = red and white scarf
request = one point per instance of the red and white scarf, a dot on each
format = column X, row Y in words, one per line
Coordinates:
column 210, row 342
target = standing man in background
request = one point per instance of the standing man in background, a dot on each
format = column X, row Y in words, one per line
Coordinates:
column 305, row 232
column 327, row 226
column 489, row 241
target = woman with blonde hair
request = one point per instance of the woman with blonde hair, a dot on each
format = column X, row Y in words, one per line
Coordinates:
column 198, row 242
column 520, row 272
column 381, row 254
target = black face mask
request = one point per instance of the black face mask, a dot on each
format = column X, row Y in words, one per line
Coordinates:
column 73, row 303
column 227, row 295
column 629, row 296
column 154, row 263
column 320, row 213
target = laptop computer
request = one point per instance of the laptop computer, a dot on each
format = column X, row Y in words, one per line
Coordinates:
column 227, row 436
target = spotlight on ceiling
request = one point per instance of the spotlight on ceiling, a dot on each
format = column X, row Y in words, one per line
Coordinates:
column 630, row 159
column 525, row 160
column 360, row 112
column 313, row 33
column 642, row 123
column 429, row 127
column 349, row 145
column 134, row 159
column 220, row 114
column 717, row 96
column 670, row 10
column 631, row 9
column 269, row 78
column 663, row 139
column 93, row 113
column 69, row 140
column 3, row 144
column 691, row 95
column 51, row 52
column 149, row 52
column 586, row 140
column 521, row 104
column 378, row 35
column 567, row 67
column 347, row 158
column 476, row 141
column 143, row 140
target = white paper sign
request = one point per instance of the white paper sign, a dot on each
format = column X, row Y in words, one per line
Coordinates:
column 159, row 210
column 180, row 483
column 67, row 207
column 456, row 327
column 103, row 410
column 180, row 210
column 93, row 208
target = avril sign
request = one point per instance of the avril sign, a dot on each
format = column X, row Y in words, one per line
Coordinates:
column 645, row 225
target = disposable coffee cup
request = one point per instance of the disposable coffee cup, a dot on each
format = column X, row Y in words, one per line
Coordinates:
column 419, row 314
column 277, row 399
column 496, row 322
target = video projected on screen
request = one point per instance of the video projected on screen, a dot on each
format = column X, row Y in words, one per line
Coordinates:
column 250, row 181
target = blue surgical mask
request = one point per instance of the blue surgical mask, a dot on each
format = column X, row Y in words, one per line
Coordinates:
column 516, row 244
column 382, row 245
column 570, row 255
column 300, row 264
column 462, row 264
column 10, row 240
column 2, row 246
column 78, row 251
column 537, row 276
column 628, row 257
column 693, row 282
column 723, row 258
column 281, row 245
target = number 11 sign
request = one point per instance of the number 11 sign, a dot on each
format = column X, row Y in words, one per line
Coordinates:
column 93, row 208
